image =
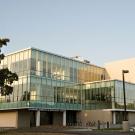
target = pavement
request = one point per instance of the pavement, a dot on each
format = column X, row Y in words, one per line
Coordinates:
column 64, row 131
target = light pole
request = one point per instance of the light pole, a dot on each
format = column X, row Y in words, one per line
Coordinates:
column 124, row 93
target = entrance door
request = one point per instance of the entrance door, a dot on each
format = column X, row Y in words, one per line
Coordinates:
column 119, row 117
column 46, row 118
column 71, row 117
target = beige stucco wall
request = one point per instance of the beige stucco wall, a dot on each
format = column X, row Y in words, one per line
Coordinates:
column 115, row 68
column 94, row 115
column 131, row 118
column 8, row 119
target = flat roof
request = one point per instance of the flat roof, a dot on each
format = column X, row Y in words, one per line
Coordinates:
column 33, row 48
column 108, row 80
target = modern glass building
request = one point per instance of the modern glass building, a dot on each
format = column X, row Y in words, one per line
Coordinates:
column 108, row 95
column 57, row 90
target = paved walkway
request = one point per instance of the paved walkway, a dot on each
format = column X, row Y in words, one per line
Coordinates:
column 63, row 131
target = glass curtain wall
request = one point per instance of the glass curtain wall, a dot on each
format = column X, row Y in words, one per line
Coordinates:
column 56, row 80
column 20, row 63
column 107, row 95
column 48, row 80
column 98, row 95
column 57, row 67
column 130, row 95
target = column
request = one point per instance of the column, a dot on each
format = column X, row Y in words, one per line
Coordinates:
column 39, row 68
column 64, row 118
column 38, row 118
column 113, row 98
column 114, row 117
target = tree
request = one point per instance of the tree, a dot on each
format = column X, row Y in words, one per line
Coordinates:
column 3, row 42
column 6, row 76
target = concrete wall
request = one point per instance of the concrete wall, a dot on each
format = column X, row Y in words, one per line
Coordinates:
column 23, row 118
column 115, row 68
column 94, row 115
column 8, row 119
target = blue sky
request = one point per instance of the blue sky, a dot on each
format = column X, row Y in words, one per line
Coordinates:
column 98, row 30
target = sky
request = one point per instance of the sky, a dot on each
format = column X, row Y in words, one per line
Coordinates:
column 97, row 30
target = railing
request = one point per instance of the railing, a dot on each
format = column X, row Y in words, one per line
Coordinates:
column 90, row 124
column 76, row 124
column 40, row 104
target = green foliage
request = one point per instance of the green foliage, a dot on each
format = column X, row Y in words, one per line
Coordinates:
column 1, row 57
column 6, row 76
column 6, row 80
column 3, row 41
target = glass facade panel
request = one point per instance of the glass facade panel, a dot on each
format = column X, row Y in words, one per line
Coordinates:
column 19, row 63
column 130, row 95
column 55, row 82
column 98, row 95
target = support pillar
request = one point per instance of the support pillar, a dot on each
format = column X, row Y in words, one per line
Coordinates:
column 64, row 118
column 38, row 118
column 114, row 117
